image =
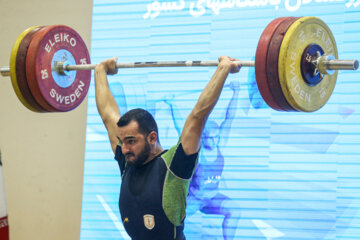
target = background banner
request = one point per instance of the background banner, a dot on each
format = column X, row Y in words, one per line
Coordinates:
column 263, row 174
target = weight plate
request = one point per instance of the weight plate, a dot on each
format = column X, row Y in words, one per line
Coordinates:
column 302, row 33
column 260, row 62
column 17, row 75
column 53, row 91
column 272, row 64
column 21, row 70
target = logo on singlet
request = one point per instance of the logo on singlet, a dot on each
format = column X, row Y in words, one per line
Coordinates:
column 149, row 221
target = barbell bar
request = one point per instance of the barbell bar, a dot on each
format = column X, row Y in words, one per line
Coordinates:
column 329, row 64
column 62, row 67
column 289, row 77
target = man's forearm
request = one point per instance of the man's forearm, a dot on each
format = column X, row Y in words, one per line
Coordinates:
column 195, row 122
column 105, row 100
column 211, row 93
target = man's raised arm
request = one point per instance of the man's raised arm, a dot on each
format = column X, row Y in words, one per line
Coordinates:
column 195, row 123
column 105, row 101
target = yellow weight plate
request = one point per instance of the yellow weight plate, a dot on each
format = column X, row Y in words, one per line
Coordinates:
column 300, row 95
column 14, row 81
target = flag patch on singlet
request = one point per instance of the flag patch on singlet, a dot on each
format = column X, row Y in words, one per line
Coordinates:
column 149, row 221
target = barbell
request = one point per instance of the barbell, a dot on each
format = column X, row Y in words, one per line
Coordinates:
column 296, row 66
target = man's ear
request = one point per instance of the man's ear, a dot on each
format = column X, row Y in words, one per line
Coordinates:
column 152, row 137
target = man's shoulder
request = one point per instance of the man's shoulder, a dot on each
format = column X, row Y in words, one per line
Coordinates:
column 168, row 154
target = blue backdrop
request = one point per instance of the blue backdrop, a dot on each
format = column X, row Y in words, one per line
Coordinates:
column 263, row 174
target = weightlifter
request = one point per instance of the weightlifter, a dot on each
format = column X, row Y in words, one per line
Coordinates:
column 155, row 182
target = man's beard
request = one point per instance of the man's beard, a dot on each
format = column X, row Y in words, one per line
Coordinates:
column 142, row 157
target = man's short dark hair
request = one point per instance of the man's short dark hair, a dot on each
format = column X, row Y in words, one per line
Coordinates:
column 145, row 121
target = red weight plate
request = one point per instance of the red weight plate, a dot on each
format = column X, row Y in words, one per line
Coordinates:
column 260, row 62
column 272, row 69
column 53, row 91
column 21, row 70
column 31, row 70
